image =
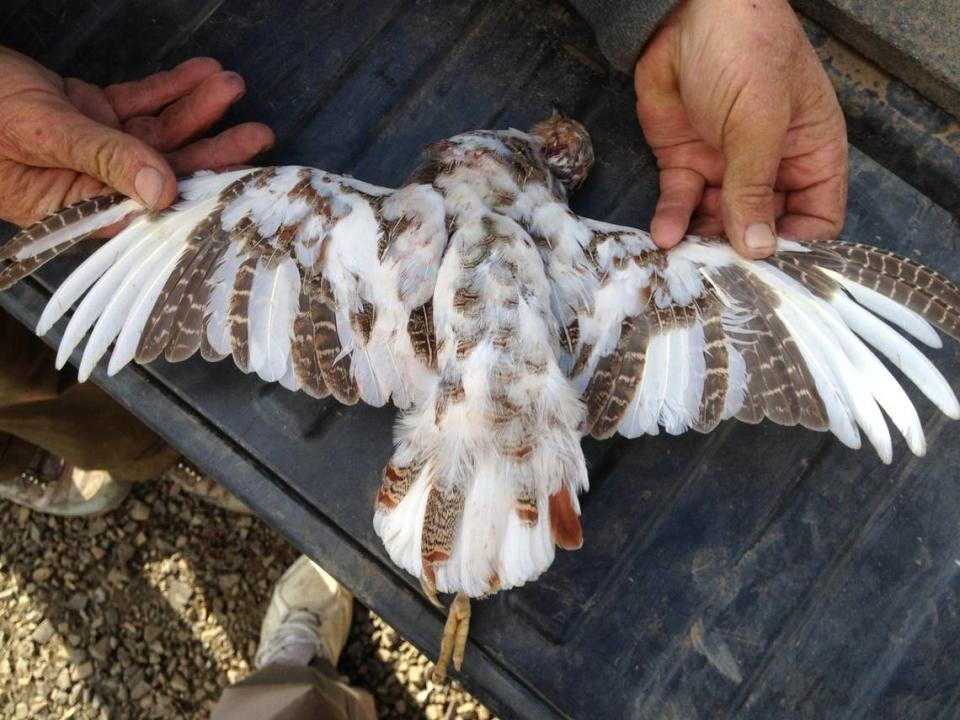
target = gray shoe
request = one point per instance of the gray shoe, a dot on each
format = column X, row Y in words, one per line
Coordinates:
column 308, row 617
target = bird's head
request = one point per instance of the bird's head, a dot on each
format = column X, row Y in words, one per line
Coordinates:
column 567, row 148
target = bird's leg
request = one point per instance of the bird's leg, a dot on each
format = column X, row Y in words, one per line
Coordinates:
column 455, row 632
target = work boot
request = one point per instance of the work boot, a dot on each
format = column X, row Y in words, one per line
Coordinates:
column 49, row 485
column 308, row 618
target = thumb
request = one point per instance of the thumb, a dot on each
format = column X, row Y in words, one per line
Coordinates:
column 752, row 150
column 128, row 165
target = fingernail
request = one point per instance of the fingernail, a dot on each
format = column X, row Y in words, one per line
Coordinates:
column 759, row 238
column 149, row 185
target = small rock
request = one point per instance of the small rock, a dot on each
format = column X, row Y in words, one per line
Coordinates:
column 44, row 632
column 228, row 581
column 63, row 679
column 140, row 690
column 101, row 650
column 77, row 602
column 178, row 683
column 434, row 712
column 179, row 593
column 41, row 574
column 82, row 672
column 151, row 633
column 139, row 511
column 73, row 655
column 415, row 675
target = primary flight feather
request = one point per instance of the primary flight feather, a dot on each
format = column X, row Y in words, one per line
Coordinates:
column 504, row 326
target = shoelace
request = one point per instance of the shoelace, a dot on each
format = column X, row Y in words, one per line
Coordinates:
column 295, row 641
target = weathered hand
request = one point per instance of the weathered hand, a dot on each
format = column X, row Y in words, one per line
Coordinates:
column 62, row 140
column 745, row 125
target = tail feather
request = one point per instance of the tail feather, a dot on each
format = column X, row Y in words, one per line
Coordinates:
column 464, row 510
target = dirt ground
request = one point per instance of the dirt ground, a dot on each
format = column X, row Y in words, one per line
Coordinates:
column 149, row 611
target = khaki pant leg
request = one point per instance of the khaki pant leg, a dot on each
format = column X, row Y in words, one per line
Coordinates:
column 293, row 692
column 78, row 422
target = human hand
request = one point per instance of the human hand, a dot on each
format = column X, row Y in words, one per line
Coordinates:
column 745, row 126
column 63, row 140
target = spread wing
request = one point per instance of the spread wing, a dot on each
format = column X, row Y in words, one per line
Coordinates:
column 685, row 338
column 321, row 282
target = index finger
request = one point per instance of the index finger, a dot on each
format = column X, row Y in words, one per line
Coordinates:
column 155, row 92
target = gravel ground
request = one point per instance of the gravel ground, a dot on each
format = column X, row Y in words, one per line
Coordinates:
column 149, row 611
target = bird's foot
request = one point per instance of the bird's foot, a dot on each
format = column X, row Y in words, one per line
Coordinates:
column 454, row 642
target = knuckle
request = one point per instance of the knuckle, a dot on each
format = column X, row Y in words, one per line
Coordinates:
column 751, row 195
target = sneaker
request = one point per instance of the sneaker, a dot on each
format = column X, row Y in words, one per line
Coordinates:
column 51, row 486
column 308, row 617
column 204, row 487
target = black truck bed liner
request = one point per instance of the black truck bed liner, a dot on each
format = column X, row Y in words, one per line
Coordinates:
column 755, row 572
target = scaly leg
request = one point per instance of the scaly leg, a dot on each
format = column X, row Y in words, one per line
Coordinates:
column 454, row 642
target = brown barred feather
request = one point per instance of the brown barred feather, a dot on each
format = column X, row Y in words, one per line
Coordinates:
column 779, row 383
column 189, row 326
column 899, row 268
column 716, row 380
column 927, row 293
column 239, row 312
column 598, row 390
column 396, row 483
column 68, row 216
column 634, row 337
column 336, row 375
column 767, row 377
column 423, row 334
column 304, row 350
column 16, row 271
column 363, row 320
column 440, row 520
column 799, row 267
column 159, row 327
column 207, row 238
column 526, row 506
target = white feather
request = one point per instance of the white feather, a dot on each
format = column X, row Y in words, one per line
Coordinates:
column 840, row 389
column 218, row 304
column 89, row 271
column 102, row 293
column 643, row 413
column 913, row 363
column 401, row 529
column 881, row 383
column 274, row 301
column 673, row 415
column 736, row 381
column 890, row 310
column 124, row 295
column 153, row 281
